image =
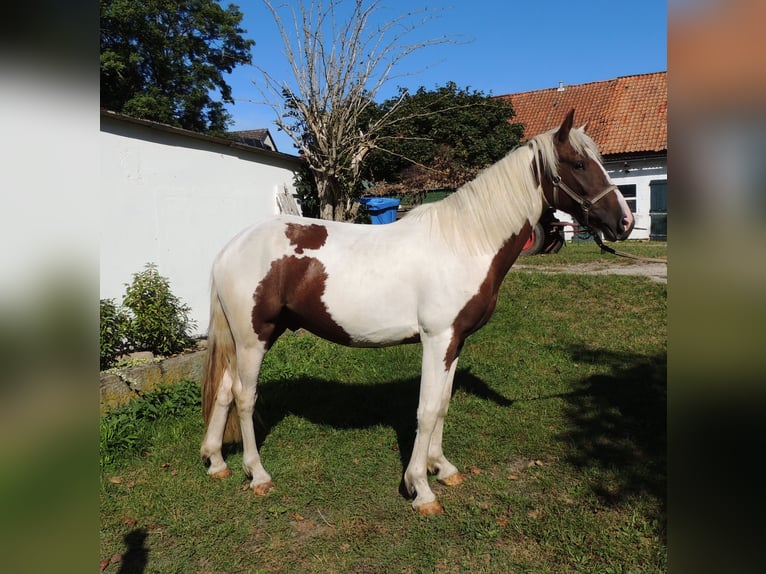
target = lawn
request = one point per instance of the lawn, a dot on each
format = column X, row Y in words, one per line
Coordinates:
column 587, row 251
column 557, row 421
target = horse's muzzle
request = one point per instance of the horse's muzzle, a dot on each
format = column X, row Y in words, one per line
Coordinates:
column 622, row 230
column 627, row 224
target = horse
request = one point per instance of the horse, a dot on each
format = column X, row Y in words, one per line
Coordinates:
column 432, row 277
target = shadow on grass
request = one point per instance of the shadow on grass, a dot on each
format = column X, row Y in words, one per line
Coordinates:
column 618, row 424
column 615, row 422
column 351, row 405
column 136, row 555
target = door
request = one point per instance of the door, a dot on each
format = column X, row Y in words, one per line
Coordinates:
column 658, row 210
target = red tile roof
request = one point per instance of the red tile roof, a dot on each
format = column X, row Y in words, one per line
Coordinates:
column 624, row 115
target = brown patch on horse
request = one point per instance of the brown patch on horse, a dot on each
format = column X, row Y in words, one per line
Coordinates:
column 290, row 297
column 478, row 310
column 412, row 339
column 306, row 236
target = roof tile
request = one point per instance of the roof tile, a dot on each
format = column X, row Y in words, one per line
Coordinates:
column 628, row 114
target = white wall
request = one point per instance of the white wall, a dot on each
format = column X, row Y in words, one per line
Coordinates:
column 175, row 199
column 639, row 173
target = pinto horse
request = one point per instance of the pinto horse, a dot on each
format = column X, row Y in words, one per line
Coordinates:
column 432, row 277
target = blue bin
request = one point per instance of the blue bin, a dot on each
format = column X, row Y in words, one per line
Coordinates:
column 382, row 209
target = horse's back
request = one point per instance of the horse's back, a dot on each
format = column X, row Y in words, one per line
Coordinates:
column 329, row 241
column 354, row 284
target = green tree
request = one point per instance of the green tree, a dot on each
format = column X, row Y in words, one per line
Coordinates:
column 341, row 53
column 440, row 139
column 162, row 59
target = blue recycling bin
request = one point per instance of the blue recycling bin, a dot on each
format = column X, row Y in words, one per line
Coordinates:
column 382, row 209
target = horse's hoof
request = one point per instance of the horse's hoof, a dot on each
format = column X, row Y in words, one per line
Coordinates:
column 431, row 508
column 225, row 473
column 453, row 480
column 262, row 489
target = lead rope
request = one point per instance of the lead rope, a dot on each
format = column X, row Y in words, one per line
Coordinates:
column 608, row 249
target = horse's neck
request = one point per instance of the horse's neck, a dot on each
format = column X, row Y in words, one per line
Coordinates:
column 503, row 202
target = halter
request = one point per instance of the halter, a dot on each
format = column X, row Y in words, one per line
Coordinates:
column 584, row 203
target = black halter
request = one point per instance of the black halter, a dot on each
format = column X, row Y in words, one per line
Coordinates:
column 558, row 183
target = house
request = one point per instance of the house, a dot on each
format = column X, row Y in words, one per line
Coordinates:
column 627, row 118
column 257, row 138
column 174, row 197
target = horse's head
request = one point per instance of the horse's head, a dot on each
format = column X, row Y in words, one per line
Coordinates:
column 577, row 183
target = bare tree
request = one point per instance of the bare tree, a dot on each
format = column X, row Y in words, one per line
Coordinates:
column 341, row 53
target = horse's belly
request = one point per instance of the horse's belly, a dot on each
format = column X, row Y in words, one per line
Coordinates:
column 387, row 300
column 373, row 307
column 375, row 322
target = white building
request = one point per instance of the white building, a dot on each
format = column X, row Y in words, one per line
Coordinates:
column 174, row 198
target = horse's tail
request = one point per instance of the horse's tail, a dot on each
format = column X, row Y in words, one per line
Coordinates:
column 221, row 357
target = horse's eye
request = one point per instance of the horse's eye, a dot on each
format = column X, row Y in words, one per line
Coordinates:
column 579, row 165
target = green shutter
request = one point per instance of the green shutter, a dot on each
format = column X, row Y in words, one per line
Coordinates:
column 658, row 210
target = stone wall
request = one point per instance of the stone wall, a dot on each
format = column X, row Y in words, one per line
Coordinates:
column 119, row 386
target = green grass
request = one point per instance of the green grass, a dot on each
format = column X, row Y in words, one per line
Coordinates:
column 557, row 420
column 588, row 252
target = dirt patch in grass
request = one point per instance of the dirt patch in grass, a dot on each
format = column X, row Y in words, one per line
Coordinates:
column 655, row 271
column 306, row 528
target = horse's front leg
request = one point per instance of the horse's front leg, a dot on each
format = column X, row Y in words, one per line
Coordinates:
column 445, row 471
column 249, row 364
column 434, row 379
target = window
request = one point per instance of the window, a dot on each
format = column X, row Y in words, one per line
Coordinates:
column 629, row 193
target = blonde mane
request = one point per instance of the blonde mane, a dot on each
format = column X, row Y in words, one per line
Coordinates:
column 483, row 213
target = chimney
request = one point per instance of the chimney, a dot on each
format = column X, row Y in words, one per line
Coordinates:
column 561, row 87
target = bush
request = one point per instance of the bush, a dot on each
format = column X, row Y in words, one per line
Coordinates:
column 159, row 321
column 115, row 339
column 151, row 319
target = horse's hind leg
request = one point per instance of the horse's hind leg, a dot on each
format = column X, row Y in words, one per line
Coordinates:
column 213, row 441
column 245, row 393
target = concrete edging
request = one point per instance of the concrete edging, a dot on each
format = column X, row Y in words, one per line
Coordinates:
column 119, row 386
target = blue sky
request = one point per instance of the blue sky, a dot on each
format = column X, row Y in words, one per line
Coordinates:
column 506, row 46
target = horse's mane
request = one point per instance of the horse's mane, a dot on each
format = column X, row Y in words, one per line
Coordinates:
column 484, row 212
column 578, row 139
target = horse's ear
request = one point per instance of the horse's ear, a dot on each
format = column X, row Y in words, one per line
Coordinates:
column 563, row 133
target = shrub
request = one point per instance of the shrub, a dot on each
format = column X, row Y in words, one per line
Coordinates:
column 159, row 322
column 150, row 319
column 114, row 332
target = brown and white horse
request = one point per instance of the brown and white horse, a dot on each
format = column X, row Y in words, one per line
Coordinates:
column 432, row 277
